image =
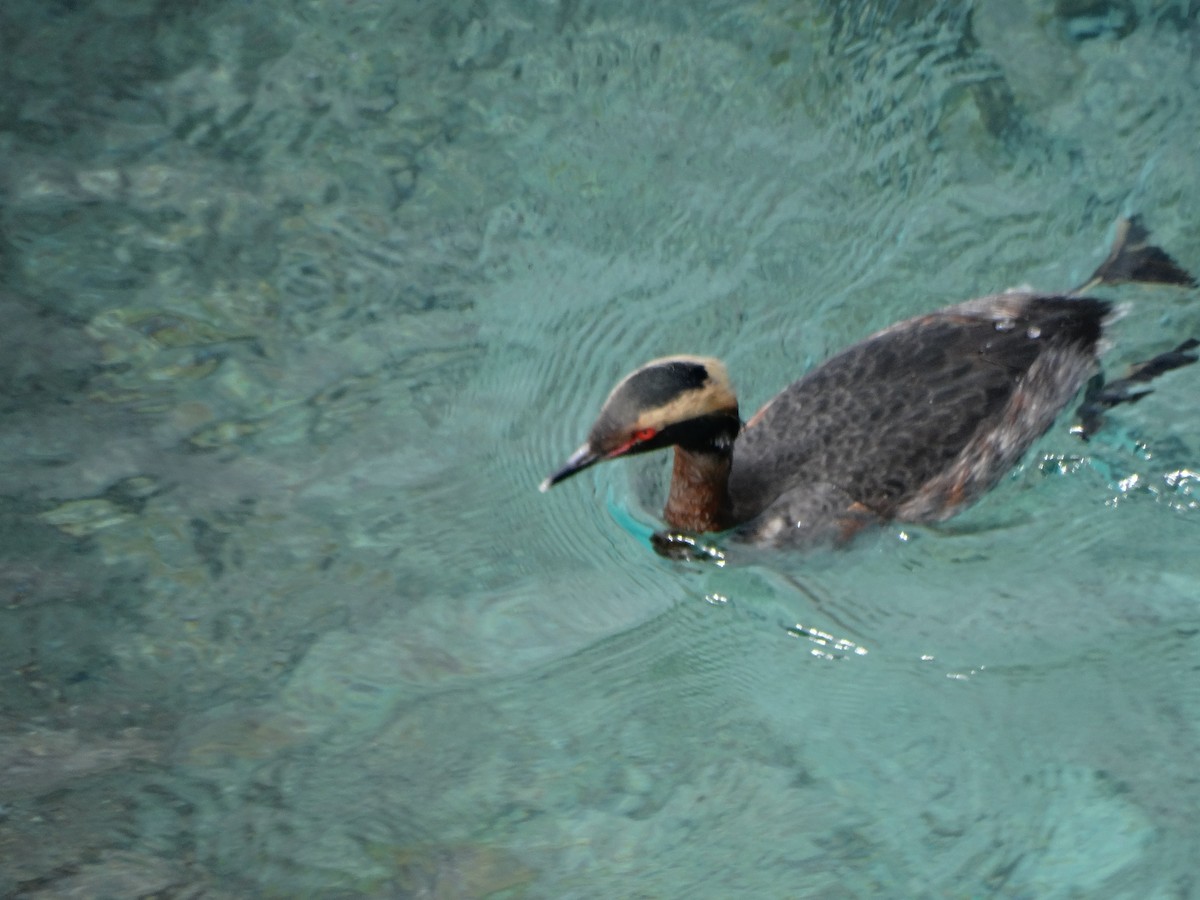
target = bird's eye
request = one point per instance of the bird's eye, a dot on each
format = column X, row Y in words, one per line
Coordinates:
column 644, row 434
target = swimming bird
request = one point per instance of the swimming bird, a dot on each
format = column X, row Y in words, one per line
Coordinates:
column 912, row 424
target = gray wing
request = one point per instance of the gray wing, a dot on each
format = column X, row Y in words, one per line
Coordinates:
column 889, row 415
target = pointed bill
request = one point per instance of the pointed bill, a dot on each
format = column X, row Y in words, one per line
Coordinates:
column 578, row 461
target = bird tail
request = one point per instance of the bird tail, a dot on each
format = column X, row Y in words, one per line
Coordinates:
column 1134, row 258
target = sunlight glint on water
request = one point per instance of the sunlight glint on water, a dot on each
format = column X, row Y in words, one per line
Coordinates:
column 301, row 304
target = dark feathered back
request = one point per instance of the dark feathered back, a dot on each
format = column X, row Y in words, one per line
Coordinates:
column 886, row 417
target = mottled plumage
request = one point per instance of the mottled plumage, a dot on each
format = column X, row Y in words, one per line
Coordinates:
column 917, row 420
column 912, row 424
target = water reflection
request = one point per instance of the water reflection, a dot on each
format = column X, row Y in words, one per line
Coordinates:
column 300, row 303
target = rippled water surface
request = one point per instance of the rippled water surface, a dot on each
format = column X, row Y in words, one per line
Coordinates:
column 302, row 300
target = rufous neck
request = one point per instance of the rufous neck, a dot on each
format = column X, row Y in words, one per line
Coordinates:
column 699, row 497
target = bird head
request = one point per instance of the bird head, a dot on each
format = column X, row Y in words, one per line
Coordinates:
column 677, row 400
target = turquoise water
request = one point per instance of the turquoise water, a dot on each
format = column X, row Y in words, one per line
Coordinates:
column 301, row 302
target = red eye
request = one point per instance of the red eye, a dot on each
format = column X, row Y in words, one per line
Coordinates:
column 644, row 434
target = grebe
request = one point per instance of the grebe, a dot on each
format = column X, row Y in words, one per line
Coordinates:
column 912, row 424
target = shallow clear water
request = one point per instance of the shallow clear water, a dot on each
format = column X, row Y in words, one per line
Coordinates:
column 301, row 302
